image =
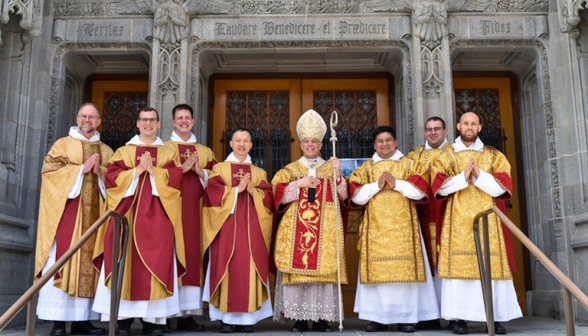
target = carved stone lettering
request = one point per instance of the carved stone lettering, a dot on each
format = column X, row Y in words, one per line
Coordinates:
column 361, row 28
column 490, row 27
column 102, row 30
column 272, row 28
column 235, row 29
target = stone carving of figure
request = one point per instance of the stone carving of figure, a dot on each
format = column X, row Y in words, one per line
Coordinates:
column 430, row 18
column 170, row 23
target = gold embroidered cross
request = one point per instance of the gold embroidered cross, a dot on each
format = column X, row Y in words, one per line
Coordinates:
column 240, row 175
column 187, row 154
column 139, row 158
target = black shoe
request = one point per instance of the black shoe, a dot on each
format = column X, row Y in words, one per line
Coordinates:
column 244, row 328
column 58, row 329
column 460, row 327
column 499, row 329
column 406, row 327
column 151, row 329
column 189, row 324
column 86, row 328
column 321, row 325
column 429, row 325
column 225, row 328
column 124, row 327
column 300, row 326
column 375, row 327
column 166, row 328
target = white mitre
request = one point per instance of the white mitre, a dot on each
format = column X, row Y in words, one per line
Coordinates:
column 311, row 125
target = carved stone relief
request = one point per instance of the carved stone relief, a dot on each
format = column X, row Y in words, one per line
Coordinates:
column 30, row 13
column 569, row 16
column 170, row 24
column 430, row 20
column 432, row 72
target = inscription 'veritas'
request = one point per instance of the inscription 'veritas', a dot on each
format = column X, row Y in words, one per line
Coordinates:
column 103, row 30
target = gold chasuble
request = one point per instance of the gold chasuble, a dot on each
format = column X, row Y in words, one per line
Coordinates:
column 306, row 249
column 192, row 196
column 237, row 228
column 63, row 220
column 430, row 213
column 155, row 223
column 390, row 241
column 458, row 258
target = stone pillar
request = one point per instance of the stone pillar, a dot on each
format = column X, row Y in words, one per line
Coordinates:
column 169, row 62
column 433, row 85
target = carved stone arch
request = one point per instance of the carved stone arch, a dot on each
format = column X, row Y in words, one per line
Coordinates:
column 58, row 76
column 543, row 61
column 403, row 98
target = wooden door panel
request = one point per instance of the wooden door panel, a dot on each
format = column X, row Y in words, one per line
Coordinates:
column 491, row 99
column 119, row 103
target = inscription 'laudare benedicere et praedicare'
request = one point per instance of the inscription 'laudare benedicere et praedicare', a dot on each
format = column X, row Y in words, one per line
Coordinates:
column 321, row 28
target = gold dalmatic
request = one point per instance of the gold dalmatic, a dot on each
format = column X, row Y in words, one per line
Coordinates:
column 390, row 241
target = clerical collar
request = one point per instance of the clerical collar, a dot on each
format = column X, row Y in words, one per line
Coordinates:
column 233, row 158
column 74, row 132
column 175, row 137
column 460, row 146
column 427, row 146
column 316, row 162
column 136, row 140
column 395, row 157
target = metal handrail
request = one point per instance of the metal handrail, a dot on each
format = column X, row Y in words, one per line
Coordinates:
column 486, row 277
column 121, row 223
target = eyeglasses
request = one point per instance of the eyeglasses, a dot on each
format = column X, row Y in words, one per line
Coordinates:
column 433, row 129
column 89, row 117
column 148, row 120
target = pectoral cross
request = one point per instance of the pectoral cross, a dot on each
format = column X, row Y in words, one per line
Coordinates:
column 240, row 175
column 187, row 154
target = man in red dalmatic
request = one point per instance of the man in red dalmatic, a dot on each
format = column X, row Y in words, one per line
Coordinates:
column 237, row 231
column 197, row 161
column 143, row 183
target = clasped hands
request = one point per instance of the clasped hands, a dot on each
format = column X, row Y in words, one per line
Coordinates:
column 471, row 169
column 386, row 181
column 92, row 164
column 145, row 164
column 245, row 184
column 191, row 163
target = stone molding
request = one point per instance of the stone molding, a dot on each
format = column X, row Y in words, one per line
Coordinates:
column 569, row 16
column 30, row 12
column 300, row 7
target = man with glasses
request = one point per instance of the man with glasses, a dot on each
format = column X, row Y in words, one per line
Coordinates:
column 431, row 213
column 395, row 282
column 197, row 161
column 72, row 194
column 143, row 182
column 472, row 177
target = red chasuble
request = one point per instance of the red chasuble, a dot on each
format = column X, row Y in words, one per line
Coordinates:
column 153, row 223
column 192, row 194
column 240, row 240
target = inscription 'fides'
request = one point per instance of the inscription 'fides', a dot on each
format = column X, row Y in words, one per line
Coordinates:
column 103, row 30
column 495, row 27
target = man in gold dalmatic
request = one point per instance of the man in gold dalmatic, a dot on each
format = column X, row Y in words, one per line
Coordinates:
column 143, row 183
column 72, row 194
column 395, row 282
column 306, row 242
column 472, row 177
column 237, row 231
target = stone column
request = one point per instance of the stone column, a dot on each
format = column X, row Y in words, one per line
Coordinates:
column 433, row 85
column 169, row 86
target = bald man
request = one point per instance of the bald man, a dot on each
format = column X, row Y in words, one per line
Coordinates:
column 472, row 177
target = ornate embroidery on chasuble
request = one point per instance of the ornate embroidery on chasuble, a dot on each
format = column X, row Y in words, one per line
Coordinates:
column 458, row 258
column 306, row 249
column 390, row 242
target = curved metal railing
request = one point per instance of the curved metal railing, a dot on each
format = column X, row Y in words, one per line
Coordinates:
column 30, row 296
column 486, row 275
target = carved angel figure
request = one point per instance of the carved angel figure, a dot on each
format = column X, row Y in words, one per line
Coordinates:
column 170, row 23
column 430, row 18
